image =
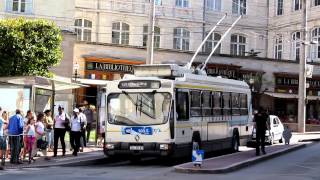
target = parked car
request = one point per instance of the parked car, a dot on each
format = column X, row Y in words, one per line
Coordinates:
column 274, row 133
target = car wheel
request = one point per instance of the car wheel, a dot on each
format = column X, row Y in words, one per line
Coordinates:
column 281, row 140
column 271, row 140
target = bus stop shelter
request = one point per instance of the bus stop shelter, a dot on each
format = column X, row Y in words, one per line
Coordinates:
column 33, row 93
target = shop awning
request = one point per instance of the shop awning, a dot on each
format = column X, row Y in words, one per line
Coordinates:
column 93, row 82
column 282, row 95
column 57, row 83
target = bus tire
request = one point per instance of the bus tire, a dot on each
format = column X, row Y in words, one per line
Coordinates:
column 235, row 142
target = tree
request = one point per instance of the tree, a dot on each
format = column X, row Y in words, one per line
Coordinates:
column 29, row 47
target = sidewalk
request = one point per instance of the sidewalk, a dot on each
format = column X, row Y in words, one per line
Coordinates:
column 246, row 157
column 90, row 154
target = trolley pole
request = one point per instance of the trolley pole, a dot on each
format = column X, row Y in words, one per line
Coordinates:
column 302, row 72
column 150, row 42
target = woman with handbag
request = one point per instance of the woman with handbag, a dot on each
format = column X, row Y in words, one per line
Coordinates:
column 40, row 134
column 48, row 121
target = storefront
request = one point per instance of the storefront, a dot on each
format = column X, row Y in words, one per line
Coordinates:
column 285, row 100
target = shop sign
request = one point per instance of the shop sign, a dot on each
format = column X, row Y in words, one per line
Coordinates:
column 225, row 72
column 286, row 81
column 123, row 68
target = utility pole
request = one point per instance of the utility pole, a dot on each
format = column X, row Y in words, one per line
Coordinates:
column 302, row 71
column 150, row 42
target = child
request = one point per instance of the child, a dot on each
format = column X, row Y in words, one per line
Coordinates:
column 31, row 137
column 287, row 135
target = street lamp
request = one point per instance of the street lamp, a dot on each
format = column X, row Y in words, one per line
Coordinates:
column 75, row 68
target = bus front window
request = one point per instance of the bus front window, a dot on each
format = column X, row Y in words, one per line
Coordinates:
column 138, row 108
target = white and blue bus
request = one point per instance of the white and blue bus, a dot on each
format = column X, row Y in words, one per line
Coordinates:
column 163, row 109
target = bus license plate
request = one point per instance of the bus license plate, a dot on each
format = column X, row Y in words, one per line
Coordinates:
column 135, row 148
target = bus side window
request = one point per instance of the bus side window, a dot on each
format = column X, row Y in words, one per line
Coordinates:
column 235, row 103
column 182, row 105
column 217, row 105
column 206, row 103
column 243, row 104
column 226, row 103
column 195, row 109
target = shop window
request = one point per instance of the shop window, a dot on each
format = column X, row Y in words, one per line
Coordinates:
column 217, row 105
column 243, row 104
column 235, row 104
column 206, row 103
column 182, row 105
column 195, row 109
column 226, row 103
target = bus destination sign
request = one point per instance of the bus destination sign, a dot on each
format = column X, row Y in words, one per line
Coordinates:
column 137, row 84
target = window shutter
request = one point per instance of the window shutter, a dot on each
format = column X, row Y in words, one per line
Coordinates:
column 29, row 6
column 9, row 5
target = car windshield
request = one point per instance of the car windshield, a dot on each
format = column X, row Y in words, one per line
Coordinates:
column 138, row 108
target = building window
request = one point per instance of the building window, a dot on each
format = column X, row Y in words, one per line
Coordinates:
column 214, row 5
column 19, row 6
column 316, row 2
column 156, row 36
column 315, row 48
column 278, row 47
column 120, row 33
column 182, row 3
column 83, row 29
column 297, row 5
column 181, row 39
column 239, row 7
column 296, row 44
column 212, row 42
column 238, row 45
column 280, row 7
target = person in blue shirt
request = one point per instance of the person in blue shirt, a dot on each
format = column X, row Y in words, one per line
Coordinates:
column 15, row 130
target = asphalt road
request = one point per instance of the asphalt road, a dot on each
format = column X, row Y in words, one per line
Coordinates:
column 297, row 165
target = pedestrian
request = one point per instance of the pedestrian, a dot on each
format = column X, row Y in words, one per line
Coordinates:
column 60, row 124
column 90, row 120
column 31, row 137
column 3, row 138
column 15, row 130
column 5, row 117
column 75, row 133
column 287, row 134
column 48, row 121
column 83, row 119
column 23, row 138
column 40, row 134
column 261, row 120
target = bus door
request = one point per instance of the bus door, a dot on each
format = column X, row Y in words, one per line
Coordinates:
column 183, row 126
column 206, row 104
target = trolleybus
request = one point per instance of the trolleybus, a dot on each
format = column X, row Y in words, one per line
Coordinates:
column 162, row 110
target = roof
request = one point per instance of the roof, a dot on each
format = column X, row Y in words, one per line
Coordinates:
column 57, row 83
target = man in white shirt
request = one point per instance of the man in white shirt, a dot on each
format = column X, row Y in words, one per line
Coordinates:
column 75, row 133
column 59, row 132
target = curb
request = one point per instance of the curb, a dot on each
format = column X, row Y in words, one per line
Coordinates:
column 75, row 162
column 237, row 166
column 309, row 140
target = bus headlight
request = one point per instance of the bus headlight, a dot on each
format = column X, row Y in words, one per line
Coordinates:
column 164, row 146
column 109, row 146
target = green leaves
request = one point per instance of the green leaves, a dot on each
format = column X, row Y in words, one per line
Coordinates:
column 29, row 47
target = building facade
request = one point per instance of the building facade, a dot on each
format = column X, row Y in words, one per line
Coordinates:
column 263, row 48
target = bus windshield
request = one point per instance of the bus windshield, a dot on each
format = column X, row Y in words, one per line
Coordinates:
column 151, row 108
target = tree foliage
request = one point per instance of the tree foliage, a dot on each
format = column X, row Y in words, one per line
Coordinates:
column 29, row 47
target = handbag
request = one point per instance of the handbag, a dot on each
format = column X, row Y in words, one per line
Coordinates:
column 67, row 123
column 42, row 144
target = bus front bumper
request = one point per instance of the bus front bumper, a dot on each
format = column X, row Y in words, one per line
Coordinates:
column 144, row 149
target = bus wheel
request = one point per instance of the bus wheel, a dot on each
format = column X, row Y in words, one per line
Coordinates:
column 235, row 143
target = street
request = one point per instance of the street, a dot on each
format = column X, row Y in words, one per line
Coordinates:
column 301, row 164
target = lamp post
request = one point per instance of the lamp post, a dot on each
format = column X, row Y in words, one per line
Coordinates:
column 75, row 68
